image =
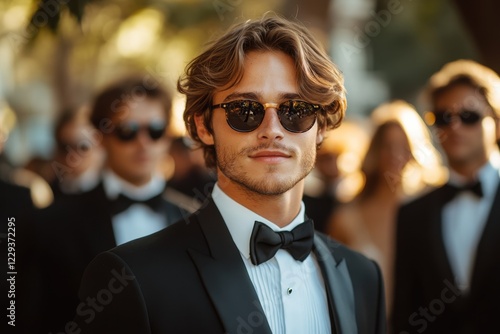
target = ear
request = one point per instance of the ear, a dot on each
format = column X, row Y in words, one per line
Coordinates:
column 321, row 135
column 202, row 131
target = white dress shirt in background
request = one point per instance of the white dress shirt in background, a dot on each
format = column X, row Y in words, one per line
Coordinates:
column 464, row 219
column 138, row 220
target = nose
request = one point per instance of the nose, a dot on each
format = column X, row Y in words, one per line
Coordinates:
column 455, row 122
column 143, row 138
column 271, row 127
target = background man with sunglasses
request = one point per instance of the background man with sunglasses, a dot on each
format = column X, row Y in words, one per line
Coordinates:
column 130, row 120
column 447, row 268
column 259, row 101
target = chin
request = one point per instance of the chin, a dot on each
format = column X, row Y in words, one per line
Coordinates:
column 458, row 158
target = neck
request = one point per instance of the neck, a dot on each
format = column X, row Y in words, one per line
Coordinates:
column 279, row 209
column 467, row 169
column 387, row 191
column 134, row 180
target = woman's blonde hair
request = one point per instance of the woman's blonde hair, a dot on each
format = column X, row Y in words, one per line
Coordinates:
column 425, row 168
column 221, row 65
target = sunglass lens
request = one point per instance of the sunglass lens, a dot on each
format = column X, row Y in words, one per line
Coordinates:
column 127, row 132
column 244, row 116
column 297, row 116
column 442, row 118
column 469, row 117
column 156, row 130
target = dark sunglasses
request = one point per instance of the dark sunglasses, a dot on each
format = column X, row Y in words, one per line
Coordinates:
column 467, row 117
column 130, row 130
column 81, row 146
column 247, row 115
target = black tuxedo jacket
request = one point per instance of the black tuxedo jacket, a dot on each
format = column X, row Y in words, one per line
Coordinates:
column 69, row 235
column 190, row 278
column 426, row 299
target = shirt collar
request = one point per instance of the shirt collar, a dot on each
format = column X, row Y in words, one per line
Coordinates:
column 488, row 175
column 115, row 185
column 83, row 183
column 240, row 220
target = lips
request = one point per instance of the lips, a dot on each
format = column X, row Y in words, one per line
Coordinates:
column 270, row 154
column 270, row 157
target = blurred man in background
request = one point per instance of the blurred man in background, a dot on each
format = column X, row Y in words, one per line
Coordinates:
column 447, row 269
column 191, row 177
column 130, row 120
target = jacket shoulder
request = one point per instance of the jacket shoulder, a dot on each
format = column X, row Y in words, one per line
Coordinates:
column 168, row 243
column 422, row 201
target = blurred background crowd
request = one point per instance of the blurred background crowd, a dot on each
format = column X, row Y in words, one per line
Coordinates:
column 58, row 57
column 57, row 54
column 54, row 60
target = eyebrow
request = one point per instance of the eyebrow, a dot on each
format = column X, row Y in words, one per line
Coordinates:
column 256, row 96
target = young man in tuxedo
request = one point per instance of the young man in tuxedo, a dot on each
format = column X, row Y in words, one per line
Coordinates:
column 259, row 101
column 130, row 119
column 447, row 268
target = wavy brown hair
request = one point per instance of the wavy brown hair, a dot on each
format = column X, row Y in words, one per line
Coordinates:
column 221, row 65
column 466, row 72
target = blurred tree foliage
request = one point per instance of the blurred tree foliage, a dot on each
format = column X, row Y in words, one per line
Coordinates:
column 419, row 40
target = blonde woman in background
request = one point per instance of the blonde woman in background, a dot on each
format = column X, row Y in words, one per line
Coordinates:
column 336, row 177
column 400, row 163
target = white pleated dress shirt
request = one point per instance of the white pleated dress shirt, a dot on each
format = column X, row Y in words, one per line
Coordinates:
column 464, row 219
column 292, row 293
column 138, row 220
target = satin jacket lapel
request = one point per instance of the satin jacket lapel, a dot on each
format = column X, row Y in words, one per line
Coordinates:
column 225, row 276
column 338, row 288
column 488, row 243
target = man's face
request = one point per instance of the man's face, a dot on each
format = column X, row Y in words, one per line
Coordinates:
column 131, row 151
column 73, row 143
column 465, row 143
column 269, row 160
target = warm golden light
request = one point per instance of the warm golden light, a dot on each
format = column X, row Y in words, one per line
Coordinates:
column 429, row 117
column 7, row 122
column 177, row 127
column 138, row 34
column 15, row 17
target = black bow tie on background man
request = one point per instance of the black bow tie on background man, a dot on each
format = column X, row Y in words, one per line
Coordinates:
column 451, row 191
column 123, row 202
column 264, row 242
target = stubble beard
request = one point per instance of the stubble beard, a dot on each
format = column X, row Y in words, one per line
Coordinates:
column 269, row 184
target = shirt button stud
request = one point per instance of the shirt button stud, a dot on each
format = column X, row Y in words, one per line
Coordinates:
column 289, row 291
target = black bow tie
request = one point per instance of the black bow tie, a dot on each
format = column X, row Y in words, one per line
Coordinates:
column 123, row 202
column 451, row 191
column 264, row 242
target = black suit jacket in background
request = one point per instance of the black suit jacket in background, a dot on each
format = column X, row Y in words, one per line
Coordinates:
column 426, row 299
column 190, row 278
column 16, row 209
column 69, row 234
column 320, row 209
